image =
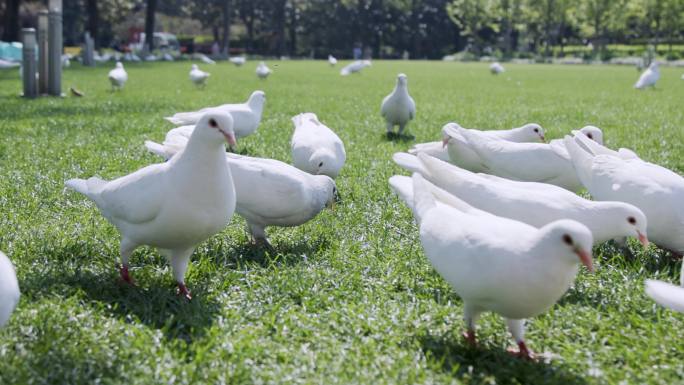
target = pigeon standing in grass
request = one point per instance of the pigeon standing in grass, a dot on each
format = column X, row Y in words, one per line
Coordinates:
column 398, row 107
column 536, row 204
column 498, row 264
column 331, row 60
column 316, row 149
column 354, row 67
column 246, row 116
column 239, row 61
column 261, row 187
column 118, row 76
column 197, row 76
column 172, row 206
column 622, row 176
column 262, row 70
column 649, row 77
column 496, row 68
column 528, row 162
column 9, row 289
column 453, row 147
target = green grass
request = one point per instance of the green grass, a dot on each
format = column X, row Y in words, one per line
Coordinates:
column 347, row 298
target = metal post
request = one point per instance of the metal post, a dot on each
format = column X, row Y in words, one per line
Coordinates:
column 29, row 62
column 88, row 59
column 42, row 52
column 55, row 47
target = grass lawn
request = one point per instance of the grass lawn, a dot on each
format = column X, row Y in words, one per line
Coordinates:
column 348, row 297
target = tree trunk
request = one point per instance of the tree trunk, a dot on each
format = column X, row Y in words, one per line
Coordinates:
column 280, row 27
column 225, row 39
column 293, row 31
column 93, row 21
column 149, row 24
column 11, row 32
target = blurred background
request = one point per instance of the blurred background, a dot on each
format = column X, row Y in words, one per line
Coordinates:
column 538, row 30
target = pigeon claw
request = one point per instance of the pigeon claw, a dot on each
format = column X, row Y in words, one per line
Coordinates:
column 183, row 291
column 125, row 276
column 469, row 337
column 523, row 352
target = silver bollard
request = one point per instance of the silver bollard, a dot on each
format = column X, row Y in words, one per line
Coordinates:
column 55, row 47
column 29, row 62
column 42, row 52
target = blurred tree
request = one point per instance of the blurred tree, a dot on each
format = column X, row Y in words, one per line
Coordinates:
column 11, row 24
column 149, row 24
column 93, row 21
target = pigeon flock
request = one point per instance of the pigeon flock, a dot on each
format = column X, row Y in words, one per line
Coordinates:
column 498, row 213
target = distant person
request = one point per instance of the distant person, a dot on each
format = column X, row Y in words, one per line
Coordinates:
column 357, row 53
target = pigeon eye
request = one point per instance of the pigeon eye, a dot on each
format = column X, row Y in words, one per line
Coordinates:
column 320, row 164
column 631, row 220
column 536, row 130
column 212, row 123
column 590, row 136
column 567, row 239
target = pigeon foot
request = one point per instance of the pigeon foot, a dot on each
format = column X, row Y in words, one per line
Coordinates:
column 183, row 291
column 522, row 352
column 125, row 276
column 469, row 337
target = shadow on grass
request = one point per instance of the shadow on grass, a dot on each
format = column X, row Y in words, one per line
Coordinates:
column 283, row 253
column 480, row 365
column 398, row 138
column 152, row 301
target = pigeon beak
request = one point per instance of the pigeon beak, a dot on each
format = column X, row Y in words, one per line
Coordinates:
column 643, row 239
column 586, row 259
column 230, row 138
column 543, row 139
column 445, row 141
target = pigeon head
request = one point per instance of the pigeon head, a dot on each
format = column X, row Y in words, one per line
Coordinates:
column 402, row 80
column 215, row 127
column 447, row 129
column 119, row 65
column 633, row 222
column 194, row 67
column 534, row 132
column 572, row 239
column 594, row 133
column 257, row 99
column 329, row 191
column 323, row 162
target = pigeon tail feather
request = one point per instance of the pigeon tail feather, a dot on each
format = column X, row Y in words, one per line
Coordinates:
column 423, row 200
column 403, row 187
column 156, row 149
column 409, row 162
column 581, row 160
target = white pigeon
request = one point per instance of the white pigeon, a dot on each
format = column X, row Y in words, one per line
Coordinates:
column 262, row 70
column 667, row 294
column 151, row 57
column 197, row 76
column 9, row 289
column 398, row 107
column 167, row 57
column 261, row 187
column 66, row 60
column 529, row 162
column 316, row 149
column 172, row 206
column 205, row 59
column 657, row 191
column 457, row 151
column 354, row 67
column 496, row 68
column 118, row 76
column 649, row 77
column 238, row 60
column 498, row 264
column 529, row 202
column 331, row 60
column 246, row 116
